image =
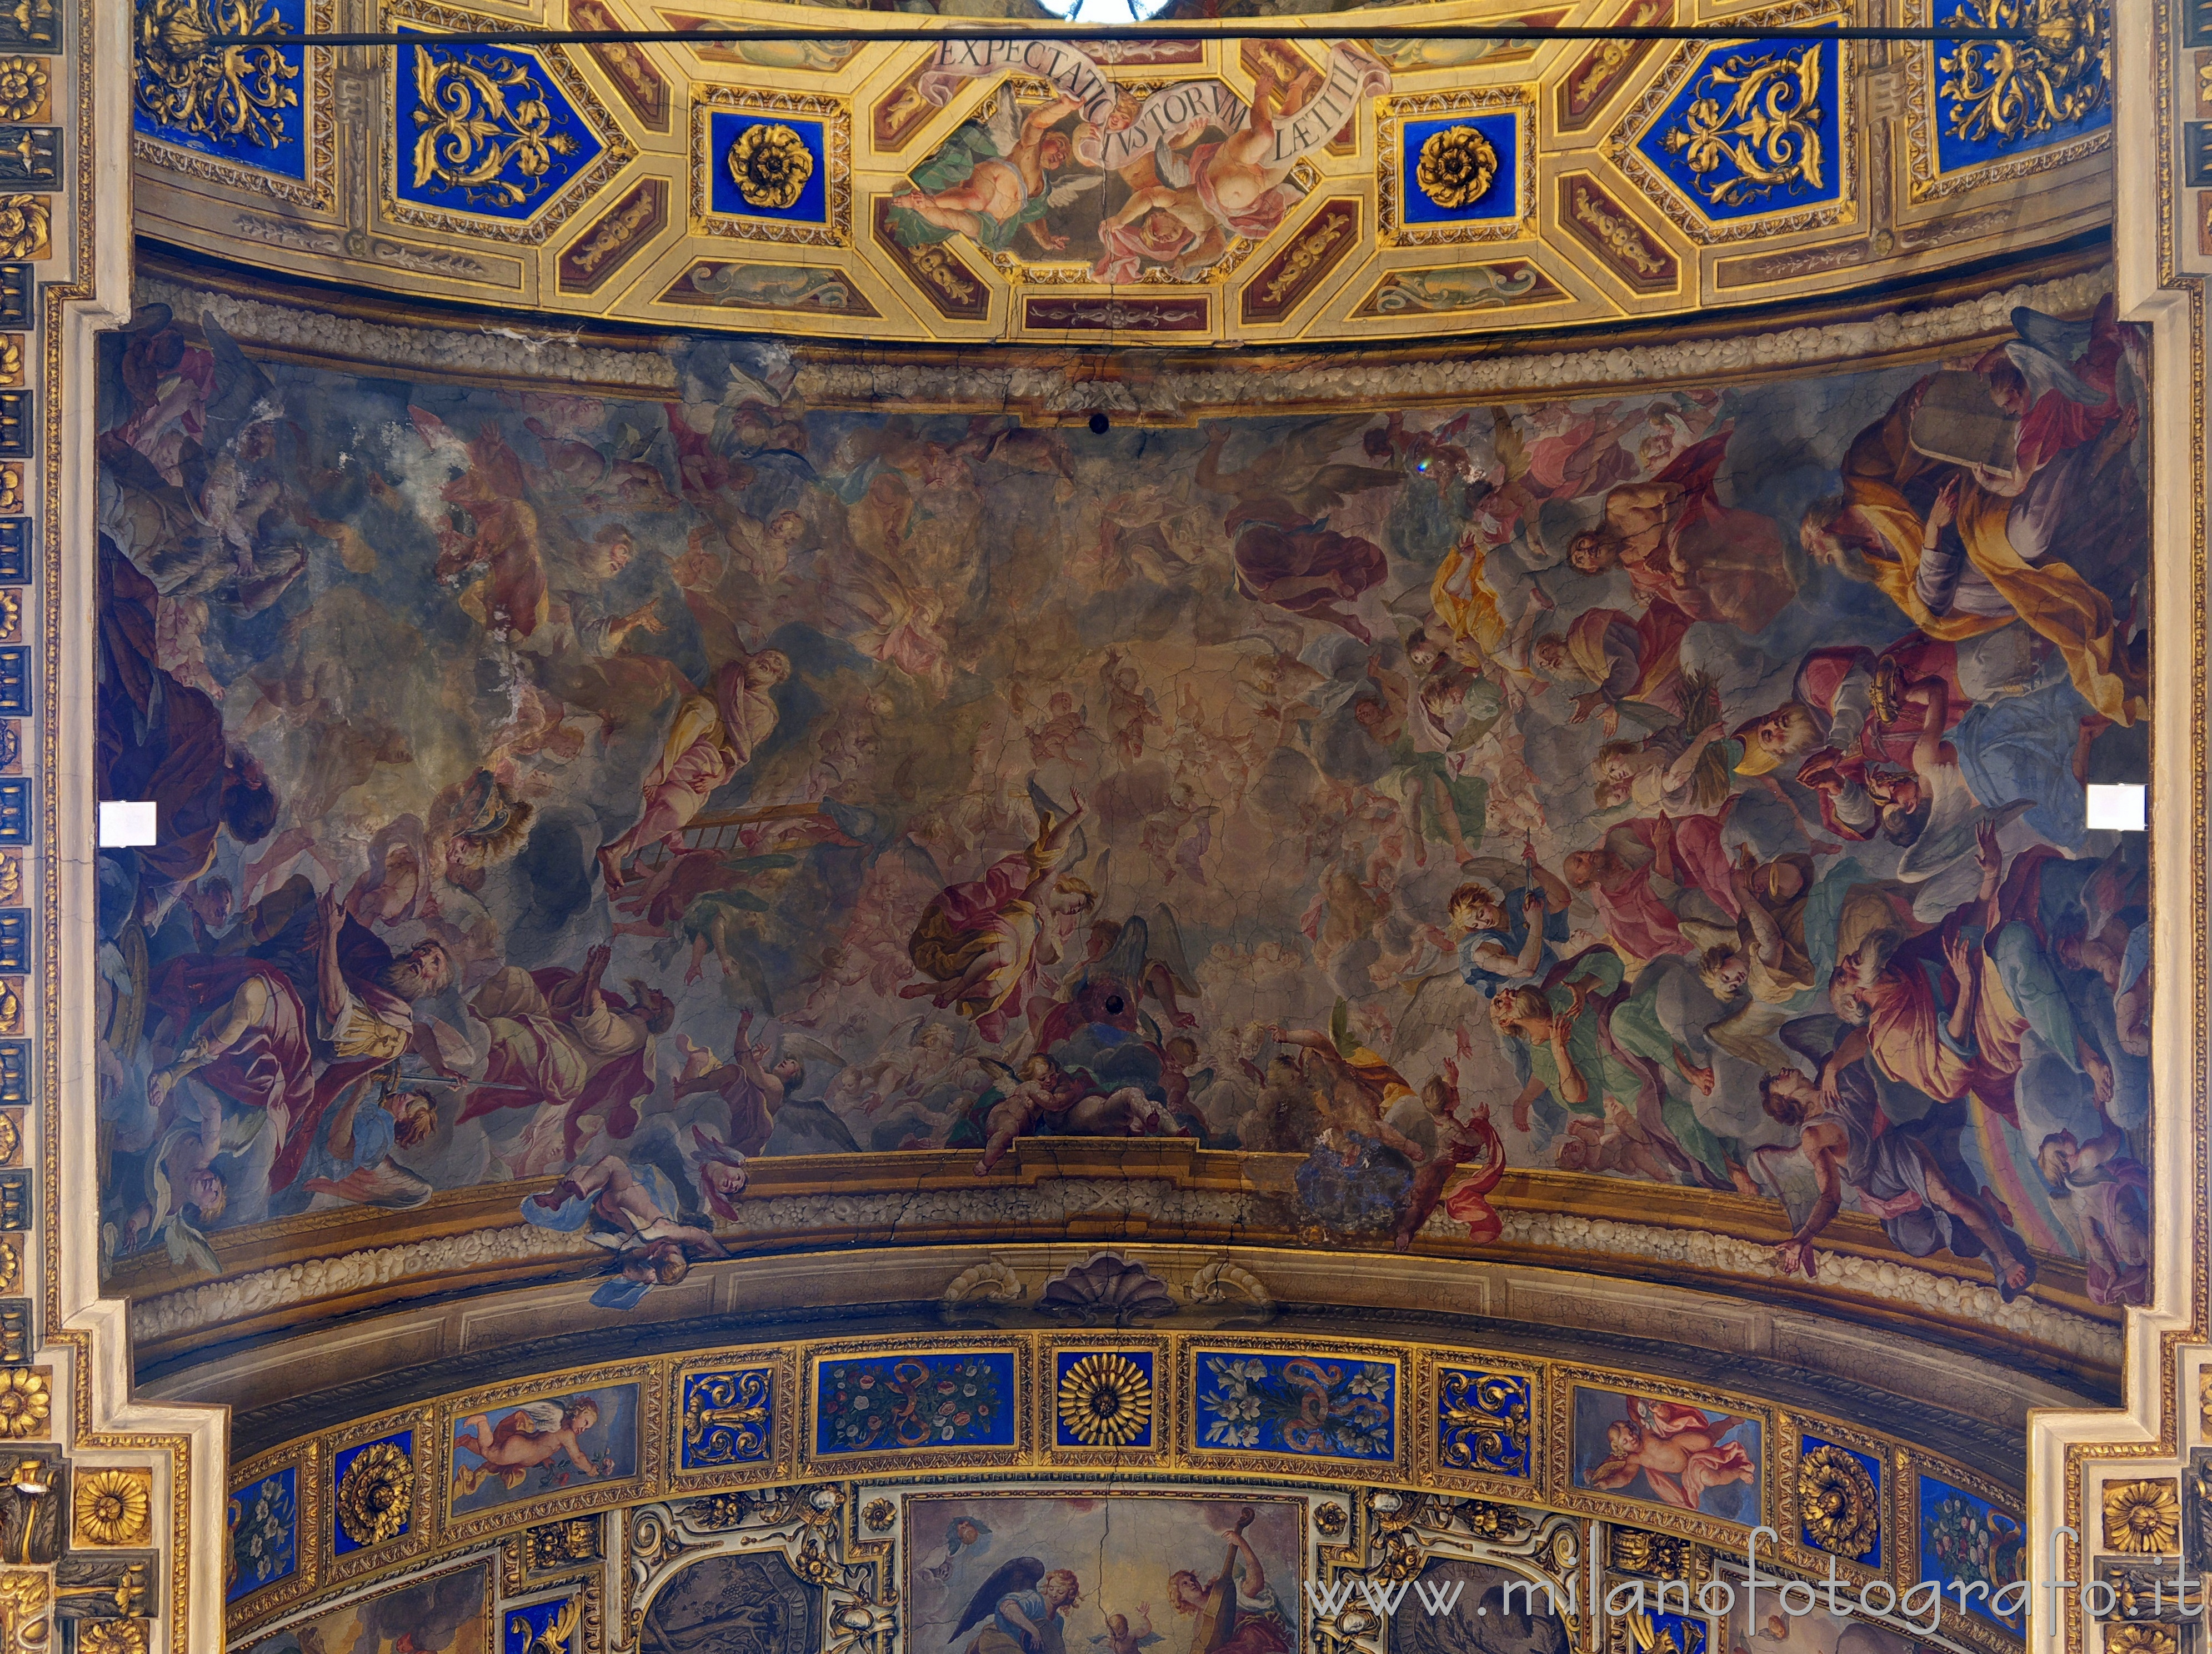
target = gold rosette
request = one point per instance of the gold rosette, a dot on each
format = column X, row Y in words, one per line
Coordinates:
column 770, row 165
column 1456, row 167
column 374, row 1493
column 1105, row 1401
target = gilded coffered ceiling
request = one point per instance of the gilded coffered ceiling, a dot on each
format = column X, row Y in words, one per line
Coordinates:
column 1175, row 193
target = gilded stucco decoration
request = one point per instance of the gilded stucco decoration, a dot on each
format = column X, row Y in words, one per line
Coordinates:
column 1842, row 1504
column 2142, row 1517
column 240, row 94
column 113, row 1507
column 1104, row 1400
column 484, row 129
column 375, row 1494
column 2012, row 91
column 902, row 223
column 25, row 1402
column 770, row 165
column 1754, row 128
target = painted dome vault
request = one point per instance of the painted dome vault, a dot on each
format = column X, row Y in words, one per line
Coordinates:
column 1037, row 846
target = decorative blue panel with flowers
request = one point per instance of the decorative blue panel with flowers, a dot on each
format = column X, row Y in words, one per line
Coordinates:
column 1995, row 98
column 1317, row 1407
column 729, row 1417
column 768, row 166
column 1482, row 1422
column 899, row 1403
column 1839, row 1500
column 556, row 1623
column 1755, row 130
column 247, row 106
column 264, row 1533
column 1460, row 168
column 485, row 129
column 1965, row 1537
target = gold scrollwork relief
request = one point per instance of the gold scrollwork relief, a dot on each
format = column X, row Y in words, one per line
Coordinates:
column 238, row 95
column 481, row 123
column 1766, row 130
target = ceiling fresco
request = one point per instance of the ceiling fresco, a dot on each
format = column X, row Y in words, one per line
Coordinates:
column 613, row 832
column 1173, row 191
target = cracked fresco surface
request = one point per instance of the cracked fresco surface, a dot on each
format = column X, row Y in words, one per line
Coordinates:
column 1685, row 787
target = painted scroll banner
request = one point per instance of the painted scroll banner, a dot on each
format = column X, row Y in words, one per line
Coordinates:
column 1112, row 135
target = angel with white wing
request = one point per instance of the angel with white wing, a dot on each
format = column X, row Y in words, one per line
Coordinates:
column 1008, row 185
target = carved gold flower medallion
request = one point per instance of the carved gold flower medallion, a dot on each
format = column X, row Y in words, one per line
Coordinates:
column 23, row 88
column 113, row 1507
column 25, row 1401
column 2143, row 1517
column 113, row 1636
column 374, row 1493
column 1105, row 1401
column 770, row 165
column 2138, row 1636
column 26, row 227
column 1842, row 1511
column 1456, row 167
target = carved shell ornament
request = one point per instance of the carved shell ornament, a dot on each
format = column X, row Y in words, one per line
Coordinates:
column 1107, row 1290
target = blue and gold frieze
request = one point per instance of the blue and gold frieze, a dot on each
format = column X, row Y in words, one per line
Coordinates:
column 1986, row 111
column 1454, row 167
column 1678, row 1465
column 504, row 142
column 771, row 166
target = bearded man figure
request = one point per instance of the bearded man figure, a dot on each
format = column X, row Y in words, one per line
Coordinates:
column 254, row 1044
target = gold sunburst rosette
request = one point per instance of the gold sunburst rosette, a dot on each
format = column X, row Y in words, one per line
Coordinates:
column 1105, row 1400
